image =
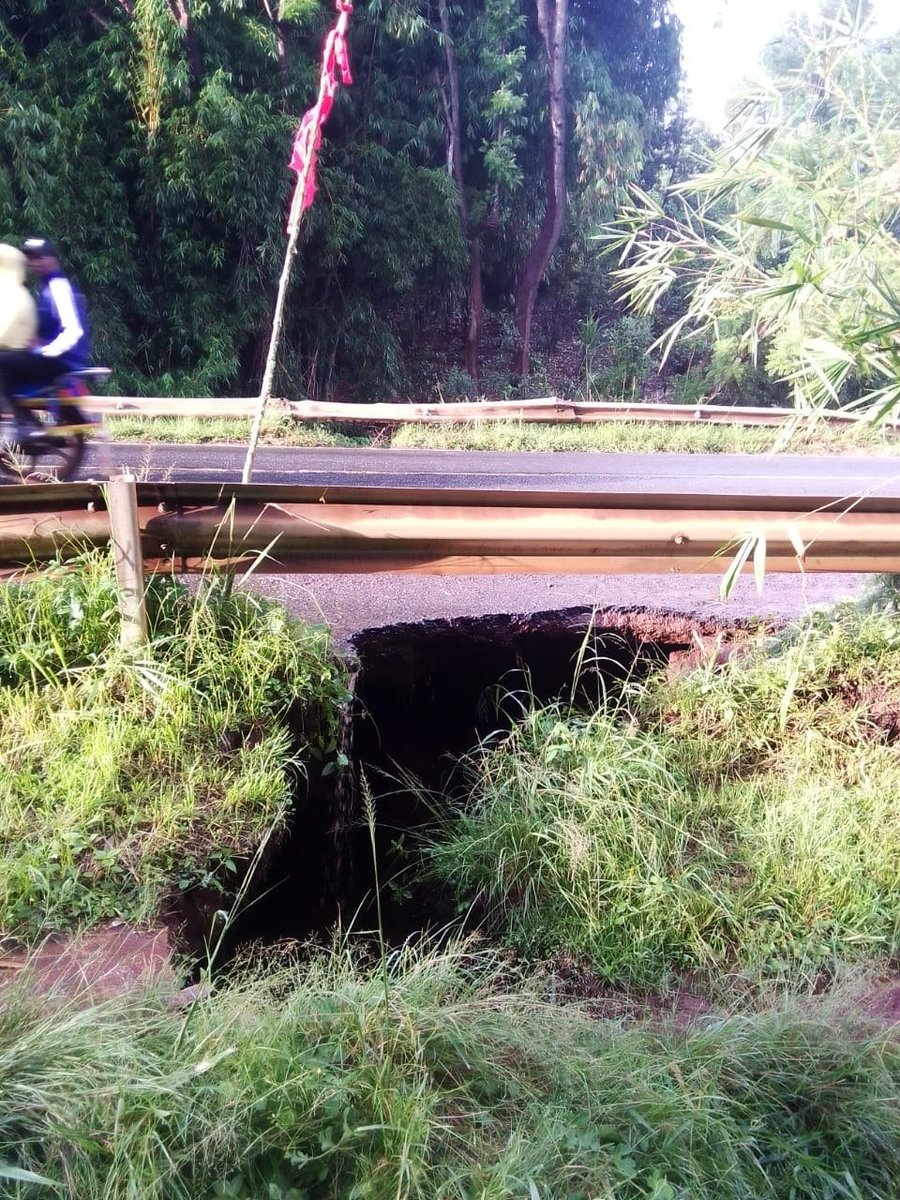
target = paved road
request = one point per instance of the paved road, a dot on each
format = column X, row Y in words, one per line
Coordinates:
column 350, row 603
column 727, row 474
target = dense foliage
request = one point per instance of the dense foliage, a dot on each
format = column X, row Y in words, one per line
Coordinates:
column 151, row 137
column 784, row 248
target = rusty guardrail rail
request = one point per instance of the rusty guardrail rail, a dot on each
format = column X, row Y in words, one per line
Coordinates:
column 546, row 410
column 304, row 528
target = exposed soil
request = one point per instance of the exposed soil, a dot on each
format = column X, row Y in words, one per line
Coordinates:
column 574, row 983
column 875, row 1001
column 881, row 1003
column 95, row 966
column 881, row 704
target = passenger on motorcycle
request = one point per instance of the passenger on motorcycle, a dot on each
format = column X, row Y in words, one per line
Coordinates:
column 62, row 343
column 18, row 316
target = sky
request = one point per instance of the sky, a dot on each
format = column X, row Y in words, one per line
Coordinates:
column 723, row 39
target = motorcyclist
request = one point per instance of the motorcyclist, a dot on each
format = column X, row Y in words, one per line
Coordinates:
column 62, row 343
column 18, row 315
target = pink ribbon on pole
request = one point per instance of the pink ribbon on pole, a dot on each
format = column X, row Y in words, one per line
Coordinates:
column 308, row 141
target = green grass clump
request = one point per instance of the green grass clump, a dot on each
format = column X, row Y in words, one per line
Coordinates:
column 276, row 431
column 630, row 437
column 315, row 1083
column 641, row 437
column 122, row 778
column 740, row 821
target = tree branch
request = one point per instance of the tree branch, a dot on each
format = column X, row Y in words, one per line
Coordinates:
column 101, row 21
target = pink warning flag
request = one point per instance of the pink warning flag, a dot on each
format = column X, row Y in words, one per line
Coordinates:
column 308, row 140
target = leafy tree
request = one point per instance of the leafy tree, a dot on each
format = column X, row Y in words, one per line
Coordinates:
column 151, row 138
column 788, row 242
column 627, row 73
column 558, row 102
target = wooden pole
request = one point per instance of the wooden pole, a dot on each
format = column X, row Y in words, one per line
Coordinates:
column 125, row 535
column 334, row 55
column 296, row 216
column 265, row 392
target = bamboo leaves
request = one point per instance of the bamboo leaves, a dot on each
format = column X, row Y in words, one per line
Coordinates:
column 786, row 243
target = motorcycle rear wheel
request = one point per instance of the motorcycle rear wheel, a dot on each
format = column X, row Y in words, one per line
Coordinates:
column 43, row 457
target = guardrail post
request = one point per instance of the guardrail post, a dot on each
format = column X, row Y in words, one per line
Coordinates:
column 128, row 555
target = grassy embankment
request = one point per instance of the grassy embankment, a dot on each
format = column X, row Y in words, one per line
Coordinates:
column 736, row 827
column 441, row 1081
column 736, row 824
column 622, row 437
column 114, row 788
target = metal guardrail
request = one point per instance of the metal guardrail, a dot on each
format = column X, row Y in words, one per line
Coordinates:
column 190, row 527
column 547, row 410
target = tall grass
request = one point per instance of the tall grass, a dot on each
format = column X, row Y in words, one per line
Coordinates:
column 200, row 430
column 738, row 822
column 122, row 779
column 306, row 1082
column 641, row 437
column 634, row 437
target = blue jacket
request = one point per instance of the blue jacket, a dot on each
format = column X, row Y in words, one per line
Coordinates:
column 63, row 330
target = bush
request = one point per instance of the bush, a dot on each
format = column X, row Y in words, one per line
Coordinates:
column 459, row 385
column 442, row 1081
column 736, row 822
column 620, row 364
column 117, row 786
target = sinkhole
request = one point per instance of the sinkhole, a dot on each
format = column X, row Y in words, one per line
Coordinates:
column 423, row 695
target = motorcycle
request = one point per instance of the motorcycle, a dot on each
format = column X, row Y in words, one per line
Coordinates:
column 55, row 447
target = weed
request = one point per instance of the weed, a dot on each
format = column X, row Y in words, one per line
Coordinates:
column 740, row 821
column 304, row 1083
column 199, row 430
column 637, row 437
column 123, row 778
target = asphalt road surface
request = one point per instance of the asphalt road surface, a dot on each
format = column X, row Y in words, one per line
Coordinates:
column 726, row 474
column 353, row 602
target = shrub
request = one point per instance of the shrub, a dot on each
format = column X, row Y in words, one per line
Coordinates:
column 737, row 821
column 123, row 777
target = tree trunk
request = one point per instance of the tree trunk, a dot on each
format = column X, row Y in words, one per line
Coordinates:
column 453, row 114
column 182, row 14
column 476, row 309
column 101, row 21
column 281, row 49
column 552, row 17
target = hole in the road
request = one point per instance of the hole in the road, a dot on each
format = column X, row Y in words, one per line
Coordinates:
column 424, row 694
